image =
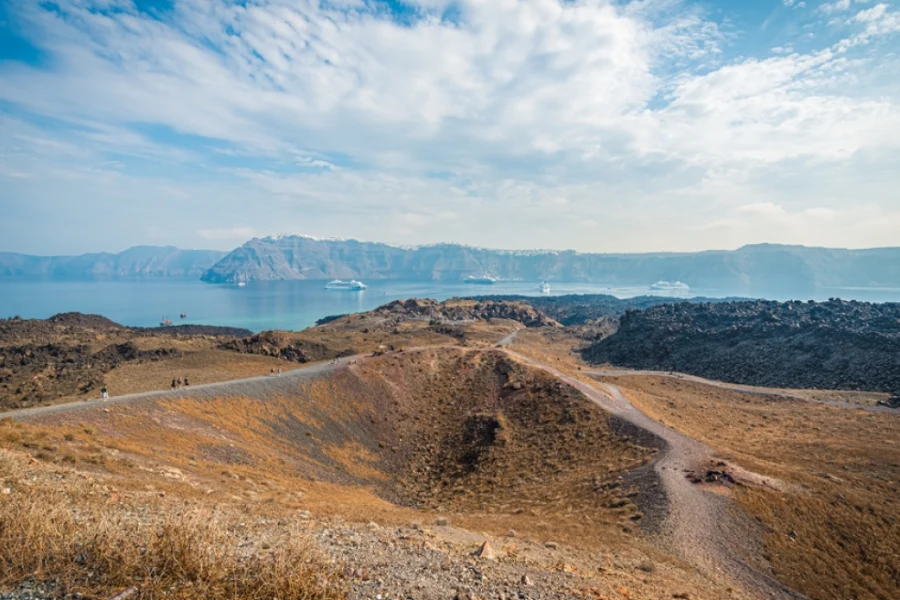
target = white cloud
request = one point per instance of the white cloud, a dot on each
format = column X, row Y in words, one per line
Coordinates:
column 833, row 7
column 231, row 234
column 838, row 6
column 529, row 111
column 871, row 14
column 766, row 210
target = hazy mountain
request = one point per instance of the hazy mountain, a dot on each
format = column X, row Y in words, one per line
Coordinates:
column 757, row 268
column 139, row 261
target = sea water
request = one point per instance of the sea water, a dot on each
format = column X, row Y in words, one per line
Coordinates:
column 295, row 305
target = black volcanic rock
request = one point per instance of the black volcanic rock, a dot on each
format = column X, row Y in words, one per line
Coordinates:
column 578, row 309
column 834, row 345
column 457, row 309
column 279, row 344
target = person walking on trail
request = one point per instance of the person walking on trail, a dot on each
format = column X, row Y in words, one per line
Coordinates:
column 186, row 381
column 104, row 394
column 174, row 383
column 178, row 382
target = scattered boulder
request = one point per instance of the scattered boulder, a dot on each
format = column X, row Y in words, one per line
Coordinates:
column 892, row 402
column 486, row 551
column 711, row 476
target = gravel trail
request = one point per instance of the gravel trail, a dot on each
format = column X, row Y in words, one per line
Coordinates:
column 260, row 386
column 699, row 525
column 736, row 387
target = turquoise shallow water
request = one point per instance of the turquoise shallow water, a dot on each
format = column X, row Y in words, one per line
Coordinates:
column 288, row 304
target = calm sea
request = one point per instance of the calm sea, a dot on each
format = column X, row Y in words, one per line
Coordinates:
column 288, row 304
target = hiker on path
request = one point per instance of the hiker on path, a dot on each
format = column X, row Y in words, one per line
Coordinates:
column 104, row 395
column 186, row 381
column 174, row 383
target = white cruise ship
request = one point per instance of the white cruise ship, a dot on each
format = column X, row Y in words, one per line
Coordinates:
column 483, row 280
column 670, row 285
column 545, row 288
column 352, row 285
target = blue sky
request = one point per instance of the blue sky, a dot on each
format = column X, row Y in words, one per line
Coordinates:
column 592, row 124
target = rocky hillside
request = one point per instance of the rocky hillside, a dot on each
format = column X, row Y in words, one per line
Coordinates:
column 751, row 269
column 467, row 310
column 579, row 309
column 71, row 354
column 140, row 261
column 835, row 344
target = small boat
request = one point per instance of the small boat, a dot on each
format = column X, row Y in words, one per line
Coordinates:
column 545, row 288
column 482, row 280
column 165, row 322
column 183, row 315
column 670, row 285
column 350, row 286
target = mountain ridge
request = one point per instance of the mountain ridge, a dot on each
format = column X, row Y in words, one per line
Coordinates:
column 749, row 269
column 135, row 262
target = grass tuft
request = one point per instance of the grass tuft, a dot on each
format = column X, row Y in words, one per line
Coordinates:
column 78, row 544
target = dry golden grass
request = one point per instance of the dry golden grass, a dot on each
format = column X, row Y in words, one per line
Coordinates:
column 553, row 347
column 205, row 366
column 836, row 533
column 68, row 537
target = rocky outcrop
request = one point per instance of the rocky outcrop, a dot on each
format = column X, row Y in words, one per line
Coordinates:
column 467, row 310
column 580, row 309
column 280, row 344
column 35, row 373
column 70, row 354
column 834, row 345
column 748, row 270
column 892, row 402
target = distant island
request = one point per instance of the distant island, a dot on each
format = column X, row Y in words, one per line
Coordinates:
column 759, row 269
column 756, row 268
column 136, row 262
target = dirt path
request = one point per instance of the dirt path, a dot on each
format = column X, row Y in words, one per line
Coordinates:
column 613, row 372
column 250, row 386
column 698, row 525
column 508, row 339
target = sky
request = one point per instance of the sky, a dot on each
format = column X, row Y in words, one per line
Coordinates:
column 594, row 125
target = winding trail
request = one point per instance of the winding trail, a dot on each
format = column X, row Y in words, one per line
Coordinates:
column 697, row 525
column 736, row 387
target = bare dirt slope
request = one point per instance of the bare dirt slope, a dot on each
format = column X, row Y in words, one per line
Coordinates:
column 483, row 442
column 73, row 356
column 831, row 530
column 468, row 439
column 696, row 523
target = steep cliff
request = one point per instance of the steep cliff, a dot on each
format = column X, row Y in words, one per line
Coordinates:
column 759, row 269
